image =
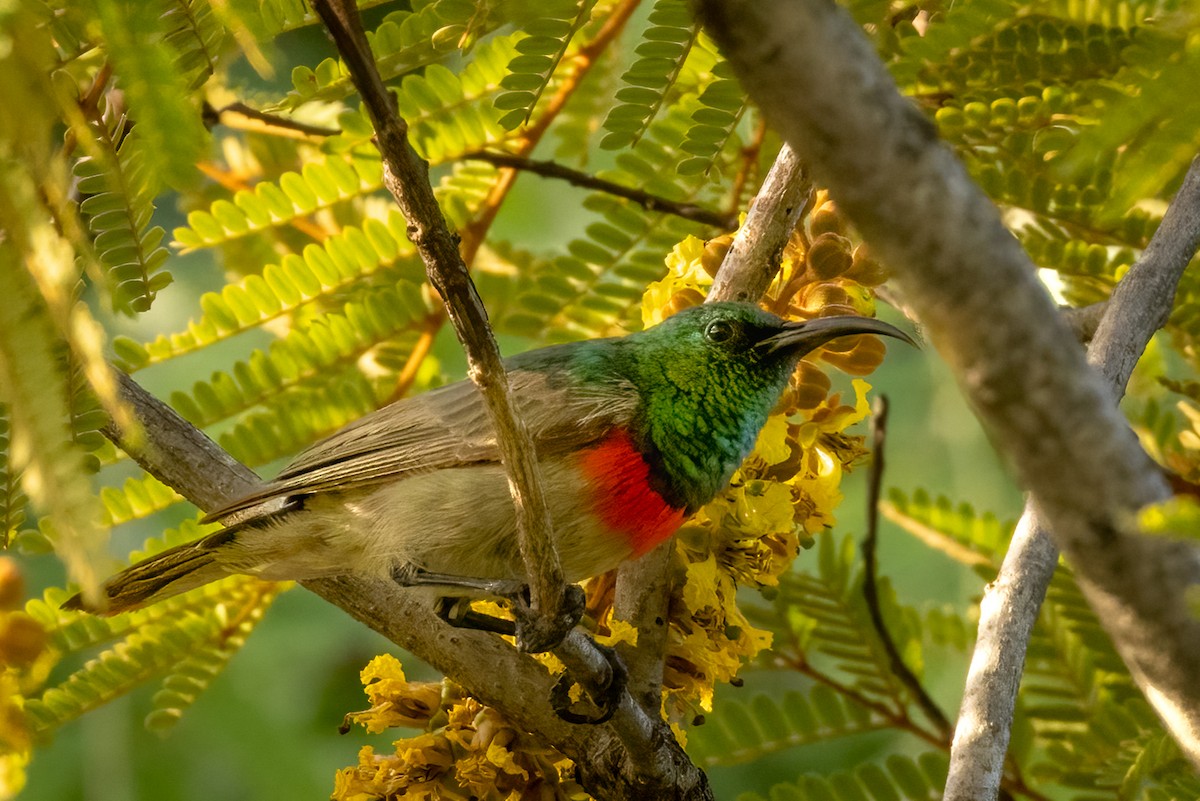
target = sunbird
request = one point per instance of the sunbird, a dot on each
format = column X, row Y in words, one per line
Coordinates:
column 633, row 435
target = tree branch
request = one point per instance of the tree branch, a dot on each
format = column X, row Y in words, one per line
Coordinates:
column 552, row 169
column 406, row 175
column 753, row 258
column 870, row 578
column 1139, row 306
column 810, row 68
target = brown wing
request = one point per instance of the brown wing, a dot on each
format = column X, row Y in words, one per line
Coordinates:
column 445, row 427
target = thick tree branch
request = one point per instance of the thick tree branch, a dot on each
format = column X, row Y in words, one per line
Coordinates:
column 406, row 175
column 1140, row 305
column 816, row 77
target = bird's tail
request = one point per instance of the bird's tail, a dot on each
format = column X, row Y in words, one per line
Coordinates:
column 171, row 572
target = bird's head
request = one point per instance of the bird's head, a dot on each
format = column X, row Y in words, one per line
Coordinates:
column 740, row 339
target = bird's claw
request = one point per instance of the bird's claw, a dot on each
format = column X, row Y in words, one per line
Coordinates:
column 458, row 613
column 604, row 692
column 537, row 632
column 534, row 631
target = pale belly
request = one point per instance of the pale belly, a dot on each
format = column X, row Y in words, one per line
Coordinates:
column 458, row 521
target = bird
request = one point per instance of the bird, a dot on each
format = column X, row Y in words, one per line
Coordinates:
column 633, row 435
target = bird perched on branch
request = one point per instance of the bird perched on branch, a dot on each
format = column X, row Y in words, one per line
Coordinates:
column 633, row 435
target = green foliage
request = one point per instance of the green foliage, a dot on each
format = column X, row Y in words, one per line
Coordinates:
column 12, row 498
column 920, row 779
column 646, row 84
column 156, row 89
column 185, row 642
column 118, row 186
column 406, row 41
column 549, row 33
column 746, row 730
column 957, row 530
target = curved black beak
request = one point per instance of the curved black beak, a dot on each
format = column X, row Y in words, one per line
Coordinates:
column 806, row 336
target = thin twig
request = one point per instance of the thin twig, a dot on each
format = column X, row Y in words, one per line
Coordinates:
column 870, row 579
column 406, row 175
column 552, row 169
column 276, row 121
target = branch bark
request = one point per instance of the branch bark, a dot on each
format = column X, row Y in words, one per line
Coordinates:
column 406, row 175
column 1139, row 306
column 753, row 258
column 816, row 77
column 552, row 169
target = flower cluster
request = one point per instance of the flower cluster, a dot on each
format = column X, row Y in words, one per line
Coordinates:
column 466, row 751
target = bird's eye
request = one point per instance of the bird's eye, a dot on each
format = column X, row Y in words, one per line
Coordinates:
column 719, row 331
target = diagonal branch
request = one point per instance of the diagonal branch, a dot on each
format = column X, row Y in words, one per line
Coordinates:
column 810, row 68
column 1139, row 306
column 552, row 169
column 406, row 175
column 870, row 544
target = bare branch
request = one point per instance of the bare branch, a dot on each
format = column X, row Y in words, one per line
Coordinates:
column 552, row 169
column 870, row 579
column 753, row 258
column 268, row 121
column 406, row 175
column 1139, row 306
column 1084, row 320
column 809, row 67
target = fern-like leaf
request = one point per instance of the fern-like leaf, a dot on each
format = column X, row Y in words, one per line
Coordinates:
column 646, row 84
column 721, row 106
column 197, row 37
column 12, row 498
column 155, row 90
column 406, row 41
column 529, row 72
column 338, row 263
column 920, row 779
column 956, row 530
column 137, row 498
column 322, row 346
column 741, row 731
column 192, row 676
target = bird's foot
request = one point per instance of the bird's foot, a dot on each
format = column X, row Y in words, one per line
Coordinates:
column 535, row 631
column 603, row 686
column 595, row 669
column 458, row 613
